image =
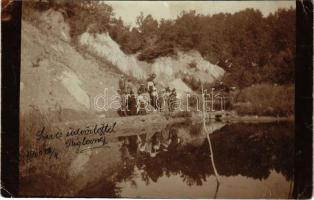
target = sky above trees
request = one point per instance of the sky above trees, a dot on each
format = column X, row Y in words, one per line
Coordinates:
column 129, row 10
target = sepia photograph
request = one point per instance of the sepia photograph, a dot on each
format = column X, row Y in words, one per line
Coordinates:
column 157, row 99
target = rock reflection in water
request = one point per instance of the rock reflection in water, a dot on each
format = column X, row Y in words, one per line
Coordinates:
column 252, row 160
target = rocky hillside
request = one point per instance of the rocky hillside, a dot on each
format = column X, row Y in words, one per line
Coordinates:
column 54, row 75
column 169, row 70
column 57, row 75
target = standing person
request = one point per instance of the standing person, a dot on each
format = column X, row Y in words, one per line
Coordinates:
column 128, row 86
column 141, row 106
column 161, row 100
column 151, row 84
column 152, row 90
column 154, row 98
column 132, row 108
column 122, row 83
column 173, row 100
column 123, row 109
column 167, row 96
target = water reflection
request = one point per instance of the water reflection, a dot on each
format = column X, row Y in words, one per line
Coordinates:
column 252, row 160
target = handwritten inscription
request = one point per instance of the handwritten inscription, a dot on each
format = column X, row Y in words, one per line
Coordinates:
column 81, row 139
column 84, row 142
column 43, row 151
column 42, row 135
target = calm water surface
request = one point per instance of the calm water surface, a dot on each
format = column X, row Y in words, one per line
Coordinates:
column 253, row 161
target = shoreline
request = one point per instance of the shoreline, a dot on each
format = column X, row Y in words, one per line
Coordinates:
column 168, row 119
column 261, row 119
column 232, row 117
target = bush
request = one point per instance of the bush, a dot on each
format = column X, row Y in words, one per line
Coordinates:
column 163, row 49
column 266, row 99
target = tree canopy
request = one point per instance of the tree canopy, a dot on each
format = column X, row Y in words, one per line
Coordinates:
column 252, row 48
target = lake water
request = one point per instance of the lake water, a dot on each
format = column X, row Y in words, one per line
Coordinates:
column 252, row 160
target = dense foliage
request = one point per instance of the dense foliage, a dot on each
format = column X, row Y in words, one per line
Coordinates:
column 252, row 48
column 266, row 99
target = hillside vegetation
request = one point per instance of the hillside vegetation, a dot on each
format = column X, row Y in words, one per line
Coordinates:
column 251, row 48
column 266, row 99
column 61, row 77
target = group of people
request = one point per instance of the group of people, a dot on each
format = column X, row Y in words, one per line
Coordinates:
column 147, row 94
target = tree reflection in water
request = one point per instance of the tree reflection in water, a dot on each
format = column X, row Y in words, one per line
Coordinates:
column 250, row 150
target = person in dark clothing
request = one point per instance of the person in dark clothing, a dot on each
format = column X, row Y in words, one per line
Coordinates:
column 154, row 98
column 123, row 109
column 161, row 100
column 173, row 100
column 132, row 107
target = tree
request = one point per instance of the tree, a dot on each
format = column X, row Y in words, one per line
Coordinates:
column 250, row 47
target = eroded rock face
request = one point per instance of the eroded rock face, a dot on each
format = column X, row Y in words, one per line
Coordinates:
column 73, row 85
column 103, row 46
column 167, row 69
column 55, row 75
column 203, row 70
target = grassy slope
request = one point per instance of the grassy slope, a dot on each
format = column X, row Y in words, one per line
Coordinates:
column 266, row 99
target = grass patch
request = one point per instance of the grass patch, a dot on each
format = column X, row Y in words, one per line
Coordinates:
column 266, row 99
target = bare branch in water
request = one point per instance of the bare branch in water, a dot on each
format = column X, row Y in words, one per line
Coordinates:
column 208, row 138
